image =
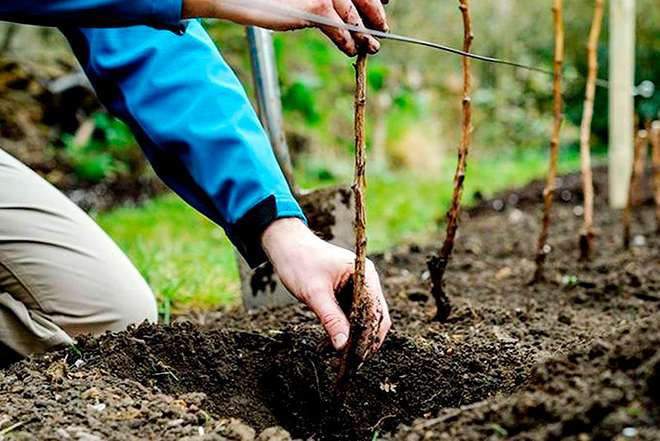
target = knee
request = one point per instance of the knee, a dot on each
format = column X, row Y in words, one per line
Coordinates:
column 133, row 307
column 115, row 305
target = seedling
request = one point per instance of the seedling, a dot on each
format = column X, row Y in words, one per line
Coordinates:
column 359, row 317
column 438, row 264
column 654, row 136
column 587, row 236
column 641, row 144
column 549, row 191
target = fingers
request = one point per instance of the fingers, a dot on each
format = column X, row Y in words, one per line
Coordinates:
column 373, row 13
column 340, row 37
column 324, row 305
column 346, row 10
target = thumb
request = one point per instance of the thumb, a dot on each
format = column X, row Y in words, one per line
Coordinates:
column 335, row 323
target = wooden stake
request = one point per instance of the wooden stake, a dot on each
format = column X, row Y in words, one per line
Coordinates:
column 588, row 234
column 549, row 191
column 621, row 74
column 361, row 321
column 654, row 136
column 641, row 143
column 438, row 264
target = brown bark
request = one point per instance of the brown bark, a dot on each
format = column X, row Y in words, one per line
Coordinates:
column 588, row 234
column 549, row 191
column 361, row 323
column 438, row 264
column 641, row 143
column 654, row 136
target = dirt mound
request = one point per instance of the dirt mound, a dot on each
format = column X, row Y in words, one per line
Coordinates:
column 606, row 390
column 573, row 355
column 281, row 379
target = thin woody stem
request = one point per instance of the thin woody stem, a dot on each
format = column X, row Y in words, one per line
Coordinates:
column 588, row 234
column 549, row 191
column 654, row 136
column 361, row 303
column 438, row 264
column 641, row 143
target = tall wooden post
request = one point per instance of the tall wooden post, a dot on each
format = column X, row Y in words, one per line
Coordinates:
column 622, row 83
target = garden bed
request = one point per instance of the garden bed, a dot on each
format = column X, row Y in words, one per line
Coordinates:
column 573, row 357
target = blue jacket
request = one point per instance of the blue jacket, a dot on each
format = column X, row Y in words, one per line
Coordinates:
column 184, row 104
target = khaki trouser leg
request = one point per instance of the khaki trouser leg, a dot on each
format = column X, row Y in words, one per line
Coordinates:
column 60, row 274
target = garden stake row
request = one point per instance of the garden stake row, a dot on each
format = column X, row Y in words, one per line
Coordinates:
column 549, row 191
column 438, row 264
column 361, row 322
column 641, row 144
column 588, row 234
column 654, row 135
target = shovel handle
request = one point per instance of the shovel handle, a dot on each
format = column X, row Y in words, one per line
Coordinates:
column 264, row 72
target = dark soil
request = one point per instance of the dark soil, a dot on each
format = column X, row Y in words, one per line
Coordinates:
column 575, row 356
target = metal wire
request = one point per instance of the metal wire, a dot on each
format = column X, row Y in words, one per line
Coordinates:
column 269, row 6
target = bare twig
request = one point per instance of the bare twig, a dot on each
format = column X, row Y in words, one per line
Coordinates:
column 588, row 234
column 438, row 264
column 549, row 191
column 641, row 143
column 654, row 136
column 360, row 324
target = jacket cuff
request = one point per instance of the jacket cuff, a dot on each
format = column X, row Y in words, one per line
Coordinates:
column 246, row 232
column 168, row 14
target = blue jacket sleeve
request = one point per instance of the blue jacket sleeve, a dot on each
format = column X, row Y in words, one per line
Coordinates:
column 195, row 123
column 162, row 14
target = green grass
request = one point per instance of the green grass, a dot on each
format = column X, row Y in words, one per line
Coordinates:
column 189, row 263
column 186, row 259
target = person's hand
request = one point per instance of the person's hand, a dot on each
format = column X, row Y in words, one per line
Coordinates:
column 364, row 13
column 314, row 270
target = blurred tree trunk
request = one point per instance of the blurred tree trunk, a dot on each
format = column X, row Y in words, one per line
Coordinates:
column 10, row 34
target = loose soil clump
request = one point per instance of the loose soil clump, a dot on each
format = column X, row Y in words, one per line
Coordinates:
column 574, row 357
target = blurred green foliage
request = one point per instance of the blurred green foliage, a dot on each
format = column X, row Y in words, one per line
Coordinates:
column 110, row 151
column 513, row 108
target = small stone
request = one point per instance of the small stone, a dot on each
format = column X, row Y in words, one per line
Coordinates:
column 62, row 434
column 630, row 432
column 274, row 434
column 578, row 211
column 99, row 407
column 504, row 273
column 92, row 392
column 84, row 436
column 498, row 205
column 426, row 275
column 639, row 241
column 547, row 249
column 516, row 216
column 175, row 423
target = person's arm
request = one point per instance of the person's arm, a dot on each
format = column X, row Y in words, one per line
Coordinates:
column 194, row 122
column 167, row 14
column 162, row 14
column 193, row 119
